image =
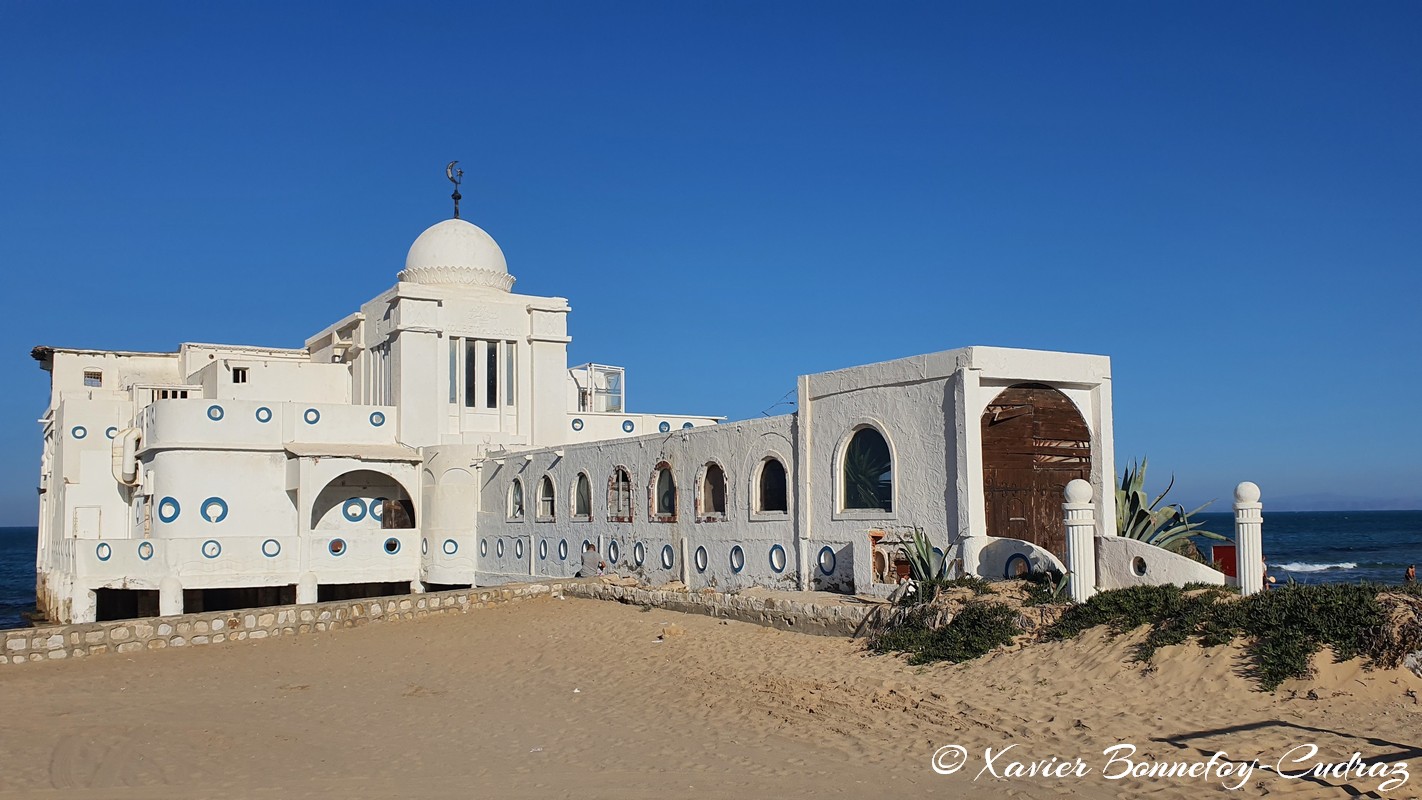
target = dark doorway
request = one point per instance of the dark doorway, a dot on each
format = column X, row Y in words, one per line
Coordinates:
column 1034, row 443
column 112, row 604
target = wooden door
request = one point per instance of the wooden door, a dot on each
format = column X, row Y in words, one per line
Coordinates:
column 1034, row 443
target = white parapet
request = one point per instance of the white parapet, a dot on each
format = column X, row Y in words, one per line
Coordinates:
column 1079, row 515
column 1248, row 538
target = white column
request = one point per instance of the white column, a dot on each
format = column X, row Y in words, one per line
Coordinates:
column 170, row 597
column 1248, row 538
column 1080, row 518
column 306, row 589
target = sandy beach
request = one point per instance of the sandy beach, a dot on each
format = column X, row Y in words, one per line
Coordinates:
column 579, row 698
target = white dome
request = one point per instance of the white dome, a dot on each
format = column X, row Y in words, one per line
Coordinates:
column 457, row 252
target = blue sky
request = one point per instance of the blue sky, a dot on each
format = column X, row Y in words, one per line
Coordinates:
column 1225, row 198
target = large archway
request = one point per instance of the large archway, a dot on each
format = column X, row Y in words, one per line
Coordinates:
column 1034, row 443
column 363, row 499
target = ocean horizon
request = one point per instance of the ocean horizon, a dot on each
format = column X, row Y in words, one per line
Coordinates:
column 1299, row 546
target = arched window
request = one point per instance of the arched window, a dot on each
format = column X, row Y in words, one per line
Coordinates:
column 516, row 499
column 772, row 495
column 619, row 496
column 545, row 499
column 867, row 472
column 582, row 498
column 663, row 500
column 711, row 500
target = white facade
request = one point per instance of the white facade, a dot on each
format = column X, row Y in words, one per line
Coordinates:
column 384, row 454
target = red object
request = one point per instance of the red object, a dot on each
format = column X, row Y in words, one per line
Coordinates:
column 1224, row 556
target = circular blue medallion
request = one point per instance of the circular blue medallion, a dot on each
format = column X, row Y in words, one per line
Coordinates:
column 1017, row 565
column 483, row 547
column 686, row 425
column 353, row 509
column 392, row 546
column 543, row 549
column 668, row 556
column 145, row 550
column 168, row 509
column 215, row 413
column 664, row 426
column 211, row 548
column 312, row 416
column 377, row 509
column 639, row 554
column 104, row 551
column 377, row 418
column 827, row 560
column 79, row 432
column 738, row 559
column 264, row 414
column 450, row 547
column 213, row 509
column 271, row 548
column 700, row 559
column 563, row 550
column 336, row 547
column 424, row 547
column 518, row 548
column 111, row 432
column 499, row 547
column 577, row 424
column 627, row 426
column 612, row 552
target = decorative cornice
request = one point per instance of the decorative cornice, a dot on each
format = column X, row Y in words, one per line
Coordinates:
column 457, row 276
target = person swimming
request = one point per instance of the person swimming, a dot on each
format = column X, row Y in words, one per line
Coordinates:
column 1410, row 576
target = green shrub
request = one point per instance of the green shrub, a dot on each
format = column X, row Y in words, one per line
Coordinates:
column 976, row 629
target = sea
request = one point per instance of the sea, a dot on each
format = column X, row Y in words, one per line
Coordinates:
column 1303, row 546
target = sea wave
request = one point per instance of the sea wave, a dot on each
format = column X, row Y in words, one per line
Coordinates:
column 1304, row 566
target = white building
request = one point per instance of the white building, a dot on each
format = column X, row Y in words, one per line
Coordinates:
column 437, row 437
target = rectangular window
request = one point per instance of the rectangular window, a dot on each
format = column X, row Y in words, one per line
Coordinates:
column 453, row 370
column 239, row 374
column 93, row 378
column 510, row 396
column 471, row 373
column 491, row 386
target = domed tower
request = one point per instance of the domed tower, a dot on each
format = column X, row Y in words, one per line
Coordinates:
column 457, row 253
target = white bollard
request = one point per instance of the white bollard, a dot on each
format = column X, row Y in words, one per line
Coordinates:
column 1080, row 517
column 1248, row 538
column 307, row 590
column 170, row 597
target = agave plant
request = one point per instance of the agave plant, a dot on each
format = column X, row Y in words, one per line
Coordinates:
column 924, row 564
column 1168, row 526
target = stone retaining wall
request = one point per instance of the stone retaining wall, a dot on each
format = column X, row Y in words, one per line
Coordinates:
column 809, row 612
column 56, row 642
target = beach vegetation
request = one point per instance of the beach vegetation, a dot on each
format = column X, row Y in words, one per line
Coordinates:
column 1168, row 526
column 976, row 629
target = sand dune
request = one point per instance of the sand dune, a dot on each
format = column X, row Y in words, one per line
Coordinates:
column 578, row 698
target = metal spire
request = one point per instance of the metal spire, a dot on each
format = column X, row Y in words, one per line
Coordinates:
column 455, row 177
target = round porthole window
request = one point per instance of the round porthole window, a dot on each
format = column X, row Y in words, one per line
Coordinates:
column 639, row 554
column 483, row 547
column 354, row 509
column 271, row 548
column 104, row 551
column 627, row 426
column 424, row 547
column 1138, row 565
column 450, row 547
column 518, row 548
column 668, row 556
column 211, row 548
column 214, row 509
column 586, row 545
column 79, row 432
column 1017, row 566
column 377, row 509
column 700, row 559
column 499, row 547
column 827, row 560
column 377, row 418
column 168, row 509
column 336, row 547
column 664, row 426
column 543, row 549
column 777, row 558
column 110, row 432
column 312, row 416
column 612, row 552
column 577, row 424
column 687, row 426
column 215, row 413
column 392, row 545
column 145, row 550
column 264, row 415
column 563, row 550
column 738, row 559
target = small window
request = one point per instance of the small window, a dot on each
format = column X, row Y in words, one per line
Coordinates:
column 582, row 498
column 663, row 494
column 239, row 374
column 545, row 499
column 619, row 496
column 868, row 472
column 93, row 378
column 771, row 495
column 711, row 504
column 516, row 499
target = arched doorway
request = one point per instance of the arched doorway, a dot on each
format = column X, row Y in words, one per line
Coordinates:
column 363, row 499
column 1034, row 443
